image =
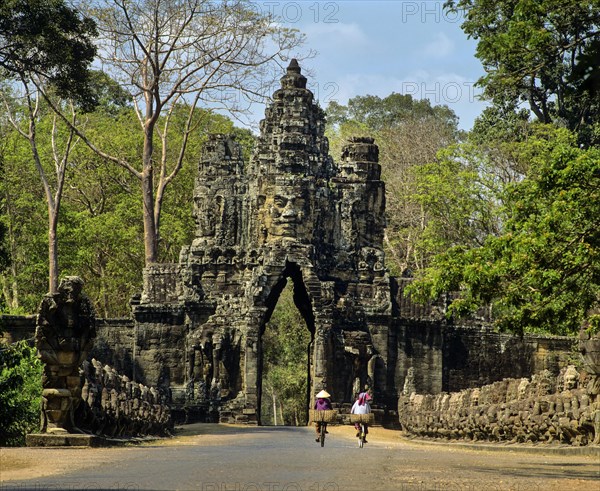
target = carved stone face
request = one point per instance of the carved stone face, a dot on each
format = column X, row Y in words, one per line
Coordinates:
column 284, row 213
column 71, row 288
column 570, row 378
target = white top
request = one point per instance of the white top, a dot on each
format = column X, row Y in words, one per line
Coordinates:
column 358, row 409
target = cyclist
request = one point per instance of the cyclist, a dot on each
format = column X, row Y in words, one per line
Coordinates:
column 322, row 403
column 362, row 406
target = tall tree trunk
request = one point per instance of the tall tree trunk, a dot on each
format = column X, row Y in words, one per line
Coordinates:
column 52, row 249
column 150, row 239
column 10, row 286
column 150, row 242
column 103, row 288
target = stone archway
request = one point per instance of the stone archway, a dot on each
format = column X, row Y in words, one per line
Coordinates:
column 289, row 212
column 291, row 277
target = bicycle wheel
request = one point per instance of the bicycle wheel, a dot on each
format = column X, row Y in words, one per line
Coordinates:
column 361, row 436
column 323, row 430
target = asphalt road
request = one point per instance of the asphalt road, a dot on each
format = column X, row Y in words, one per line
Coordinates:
column 224, row 458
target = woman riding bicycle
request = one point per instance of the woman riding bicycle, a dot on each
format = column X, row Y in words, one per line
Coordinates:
column 323, row 403
column 362, row 406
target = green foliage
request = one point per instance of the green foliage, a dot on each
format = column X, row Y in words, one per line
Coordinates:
column 20, row 393
column 100, row 230
column 4, row 256
column 25, row 215
column 285, row 363
column 542, row 273
column 460, row 194
column 49, row 39
column 108, row 94
column 543, row 53
column 395, row 109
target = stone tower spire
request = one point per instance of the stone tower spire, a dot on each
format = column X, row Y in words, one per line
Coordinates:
column 293, row 77
column 292, row 134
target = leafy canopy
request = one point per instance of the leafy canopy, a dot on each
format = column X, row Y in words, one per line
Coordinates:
column 542, row 273
column 49, row 39
column 100, row 231
column 540, row 52
column 378, row 113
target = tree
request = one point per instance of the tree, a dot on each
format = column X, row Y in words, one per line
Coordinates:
column 50, row 40
column 543, row 53
column 542, row 273
column 58, row 149
column 38, row 135
column 25, row 217
column 99, row 230
column 409, row 133
column 460, row 192
column 102, row 233
column 461, row 188
column 391, row 111
column 45, row 45
column 169, row 54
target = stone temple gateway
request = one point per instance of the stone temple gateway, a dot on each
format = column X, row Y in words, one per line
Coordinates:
column 291, row 214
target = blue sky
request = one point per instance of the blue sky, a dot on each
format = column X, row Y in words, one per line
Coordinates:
column 379, row 47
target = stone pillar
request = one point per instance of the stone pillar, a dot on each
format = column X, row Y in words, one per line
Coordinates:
column 64, row 335
column 252, row 358
column 322, row 354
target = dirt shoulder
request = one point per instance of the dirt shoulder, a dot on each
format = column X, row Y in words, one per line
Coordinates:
column 18, row 463
column 31, row 463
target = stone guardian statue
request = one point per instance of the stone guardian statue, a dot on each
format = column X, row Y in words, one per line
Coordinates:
column 64, row 336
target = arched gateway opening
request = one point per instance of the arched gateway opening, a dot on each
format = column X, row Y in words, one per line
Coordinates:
column 286, row 339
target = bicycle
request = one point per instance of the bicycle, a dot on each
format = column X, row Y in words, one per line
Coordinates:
column 323, row 433
column 362, row 435
column 362, row 420
column 323, row 417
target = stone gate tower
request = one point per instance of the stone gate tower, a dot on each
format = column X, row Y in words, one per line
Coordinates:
column 291, row 214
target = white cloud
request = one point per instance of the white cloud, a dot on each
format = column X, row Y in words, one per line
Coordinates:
column 441, row 45
column 336, row 35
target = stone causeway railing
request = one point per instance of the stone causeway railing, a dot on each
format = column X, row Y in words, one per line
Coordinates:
column 114, row 406
column 544, row 408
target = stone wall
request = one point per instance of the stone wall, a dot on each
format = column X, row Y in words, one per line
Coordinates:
column 15, row 328
column 544, row 408
column 111, row 403
column 447, row 358
column 114, row 345
column 476, row 356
